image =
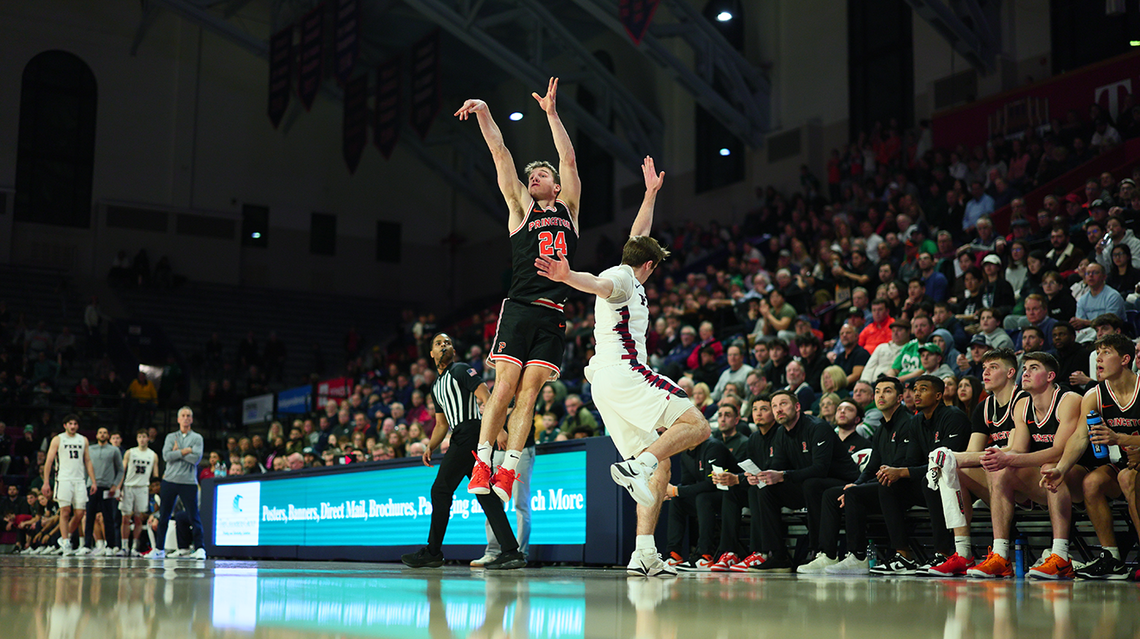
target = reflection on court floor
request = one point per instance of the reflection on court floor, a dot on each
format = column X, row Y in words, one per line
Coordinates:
column 112, row 598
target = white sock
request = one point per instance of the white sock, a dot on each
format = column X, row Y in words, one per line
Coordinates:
column 126, row 543
column 962, row 546
column 645, row 542
column 649, row 460
column 1114, row 551
column 1001, row 547
column 484, row 452
column 1061, row 548
column 512, row 459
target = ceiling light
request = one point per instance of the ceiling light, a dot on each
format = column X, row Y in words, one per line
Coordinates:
column 255, row 235
column 725, row 152
column 724, row 16
column 516, row 116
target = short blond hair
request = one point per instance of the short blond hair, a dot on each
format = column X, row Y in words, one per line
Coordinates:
column 640, row 249
column 542, row 164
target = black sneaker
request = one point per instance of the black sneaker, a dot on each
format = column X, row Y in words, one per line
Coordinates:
column 926, row 568
column 507, row 561
column 423, row 558
column 897, row 566
column 1104, row 567
column 776, row 565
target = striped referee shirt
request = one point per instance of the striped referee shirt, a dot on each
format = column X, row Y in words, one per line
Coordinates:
column 454, row 394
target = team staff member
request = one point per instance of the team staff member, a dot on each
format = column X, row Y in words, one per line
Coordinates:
column 108, row 463
column 937, row 426
column 861, row 497
column 806, row 447
column 182, row 451
column 457, row 393
column 700, row 497
column 70, row 491
column 1114, row 397
column 528, row 345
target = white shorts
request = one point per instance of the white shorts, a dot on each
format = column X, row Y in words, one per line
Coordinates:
column 71, row 493
column 133, row 499
column 634, row 404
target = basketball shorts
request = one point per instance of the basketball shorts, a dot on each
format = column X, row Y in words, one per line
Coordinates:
column 71, row 493
column 634, row 403
column 133, row 499
column 529, row 335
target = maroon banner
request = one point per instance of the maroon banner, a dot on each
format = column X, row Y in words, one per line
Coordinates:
column 355, row 121
column 347, row 44
column 337, row 388
column 1105, row 83
column 280, row 73
column 425, row 82
column 311, row 63
column 386, row 128
column 635, row 16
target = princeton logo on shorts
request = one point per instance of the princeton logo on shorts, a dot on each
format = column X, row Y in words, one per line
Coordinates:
column 502, row 345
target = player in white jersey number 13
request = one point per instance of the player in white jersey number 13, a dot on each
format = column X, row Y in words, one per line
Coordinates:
column 71, row 490
column 634, row 401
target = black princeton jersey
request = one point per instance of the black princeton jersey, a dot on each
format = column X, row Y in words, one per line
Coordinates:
column 1122, row 419
column 994, row 421
column 1043, row 430
column 542, row 232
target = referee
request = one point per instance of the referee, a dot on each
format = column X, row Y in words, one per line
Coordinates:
column 458, row 393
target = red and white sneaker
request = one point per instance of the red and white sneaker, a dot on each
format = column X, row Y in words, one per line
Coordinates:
column 994, row 567
column 674, row 559
column 502, row 483
column 480, row 483
column 751, row 561
column 725, row 563
column 955, row 566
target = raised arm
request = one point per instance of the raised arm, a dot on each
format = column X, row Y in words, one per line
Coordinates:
column 559, row 271
column 514, row 191
column 567, row 164
column 643, row 223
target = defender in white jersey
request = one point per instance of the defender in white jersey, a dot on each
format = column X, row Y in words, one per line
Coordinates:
column 633, row 400
column 71, row 490
column 139, row 466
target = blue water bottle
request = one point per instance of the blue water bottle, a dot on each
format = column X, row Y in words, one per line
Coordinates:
column 1019, row 557
column 1100, row 451
column 872, row 554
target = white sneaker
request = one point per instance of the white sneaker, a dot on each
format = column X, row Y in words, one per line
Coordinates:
column 634, row 477
column 57, row 552
column 155, row 554
column 849, row 565
column 817, row 566
column 648, row 563
column 65, row 547
column 198, row 554
column 484, row 560
column 647, row 594
column 81, row 551
column 181, row 552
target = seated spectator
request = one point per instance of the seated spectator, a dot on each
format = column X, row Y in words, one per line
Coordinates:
column 778, row 357
column 1064, row 255
column 578, row 417
column 797, row 384
column 1059, row 300
column 879, row 330
column 737, row 371
column 990, row 328
column 883, row 358
column 1099, row 300
column 851, row 358
column 548, row 431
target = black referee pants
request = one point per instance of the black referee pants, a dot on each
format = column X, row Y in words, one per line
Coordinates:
column 456, row 466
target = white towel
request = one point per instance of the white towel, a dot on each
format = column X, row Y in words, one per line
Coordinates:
column 942, row 475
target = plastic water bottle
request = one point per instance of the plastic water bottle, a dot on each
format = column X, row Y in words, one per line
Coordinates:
column 1100, row 451
column 872, row 554
column 1019, row 557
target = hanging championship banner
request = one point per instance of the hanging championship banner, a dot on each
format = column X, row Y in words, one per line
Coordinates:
column 425, row 82
column 386, row 128
column 355, row 121
column 635, row 16
column 311, row 63
column 280, row 73
column 347, row 45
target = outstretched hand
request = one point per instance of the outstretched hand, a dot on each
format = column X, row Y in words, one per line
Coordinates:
column 547, row 102
column 469, row 107
column 556, row 270
column 653, row 180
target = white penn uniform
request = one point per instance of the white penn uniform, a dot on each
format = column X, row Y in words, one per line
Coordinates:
column 633, row 400
column 71, row 480
column 136, row 482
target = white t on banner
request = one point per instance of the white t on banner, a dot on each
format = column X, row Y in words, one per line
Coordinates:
column 257, row 409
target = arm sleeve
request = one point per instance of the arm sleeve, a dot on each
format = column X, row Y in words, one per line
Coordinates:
column 467, row 377
column 623, row 285
column 196, row 448
column 822, row 444
column 169, row 455
column 118, row 468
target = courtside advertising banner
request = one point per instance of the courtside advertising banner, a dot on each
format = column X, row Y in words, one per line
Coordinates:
column 390, row 507
column 255, row 410
column 295, row 400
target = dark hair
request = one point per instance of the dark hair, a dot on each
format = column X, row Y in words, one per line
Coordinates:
column 1108, row 319
column 640, row 249
column 1001, row 355
column 882, row 301
column 1034, row 329
column 1117, row 342
column 71, row 417
column 893, row 381
column 143, row 431
column 858, row 408
column 1046, row 359
column 809, row 339
column 935, row 381
column 978, row 388
column 784, row 391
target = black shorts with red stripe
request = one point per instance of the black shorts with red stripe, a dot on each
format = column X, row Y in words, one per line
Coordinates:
column 530, row 335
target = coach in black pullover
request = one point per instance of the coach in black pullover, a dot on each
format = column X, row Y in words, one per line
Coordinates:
column 695, row 496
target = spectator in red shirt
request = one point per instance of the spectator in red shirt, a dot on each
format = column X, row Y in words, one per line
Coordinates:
column 879, row 330
column 707, row 339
